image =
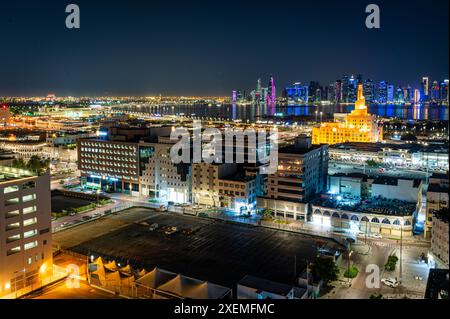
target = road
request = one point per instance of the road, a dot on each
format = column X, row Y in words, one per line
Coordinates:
column 376, row 252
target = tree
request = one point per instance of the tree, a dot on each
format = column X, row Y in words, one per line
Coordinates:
column 19, row 163
column 371, row 163
column 351, row 273
column 37, row 165
column 324, row 268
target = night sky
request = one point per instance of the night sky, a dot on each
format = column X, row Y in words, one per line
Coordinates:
column 211, row 47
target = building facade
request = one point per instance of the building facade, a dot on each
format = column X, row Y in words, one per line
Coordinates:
column 437, row 199
column 301, row 174
column 26, row 255
column 439, row 238
column 159, row 177
column 111, row 165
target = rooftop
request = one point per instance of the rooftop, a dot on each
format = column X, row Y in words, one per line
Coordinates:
column 393, row 181
column 382, row 206
column 292, row 149
column 8, row 173
column 268, row 285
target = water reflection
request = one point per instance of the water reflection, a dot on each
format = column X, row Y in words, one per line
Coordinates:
column 252, row 112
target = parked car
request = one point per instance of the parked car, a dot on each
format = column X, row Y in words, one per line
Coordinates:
column 86, row 218
column 171, row 230
column 390, row 282
column 153, row 227
column 72, row 213
column 377, row 236
column 53, row 218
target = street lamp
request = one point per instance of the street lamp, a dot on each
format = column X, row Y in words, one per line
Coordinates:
column 321, row 116
column 316, row 115
column 348, row 266
column 401, row 251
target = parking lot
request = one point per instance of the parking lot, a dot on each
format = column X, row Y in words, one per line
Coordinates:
column 206, row 249
column 61, row 202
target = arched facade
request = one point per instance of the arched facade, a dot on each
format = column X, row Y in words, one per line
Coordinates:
column 371, row 223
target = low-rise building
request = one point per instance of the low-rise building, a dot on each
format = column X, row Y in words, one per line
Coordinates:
column 251, row 287
column 25, row 149
column 205, row 182
column 383, row 216
column 237, row 192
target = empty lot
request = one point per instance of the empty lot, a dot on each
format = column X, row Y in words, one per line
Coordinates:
column 211, row 250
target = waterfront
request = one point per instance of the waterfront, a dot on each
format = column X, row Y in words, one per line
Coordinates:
column 258, row 112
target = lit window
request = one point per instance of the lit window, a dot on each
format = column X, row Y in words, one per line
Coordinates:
column 29, row 210
column 12, row 201
column 10, row 189
column 30, row 245
column 30, row 221
column 30, row 233
column 10, row 239
column 13, row 250
column 13, row 226
column 13, row 213
column 27, row 198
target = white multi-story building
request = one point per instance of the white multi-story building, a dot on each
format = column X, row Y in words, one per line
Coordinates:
column 437, row 199
column 160, row 178
column 25, row 230
column 439, row 238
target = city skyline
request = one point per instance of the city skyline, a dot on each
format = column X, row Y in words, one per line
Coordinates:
column 210, row 49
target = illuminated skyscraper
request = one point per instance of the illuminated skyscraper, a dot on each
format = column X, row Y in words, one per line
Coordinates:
column 399, row 95
column 271, row 91
column 382, row 92
column 443, row 89
column 390, row 93
column 359, row 126
column 369, row 90
column 416, row 96
column 435, row 91
column 297, row 94
column 424, row 89
column 351, row 90
column 331, row 93
column 338, row 90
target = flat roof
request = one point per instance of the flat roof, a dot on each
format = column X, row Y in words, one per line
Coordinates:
column 265, row 285
column 378, row 206
column 8, row 173
column 393, row 181
column 205, row 249
column 292, row 149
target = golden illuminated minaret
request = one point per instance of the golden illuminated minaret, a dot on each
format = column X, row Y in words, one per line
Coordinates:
column 359, row 126
column 360, row 103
